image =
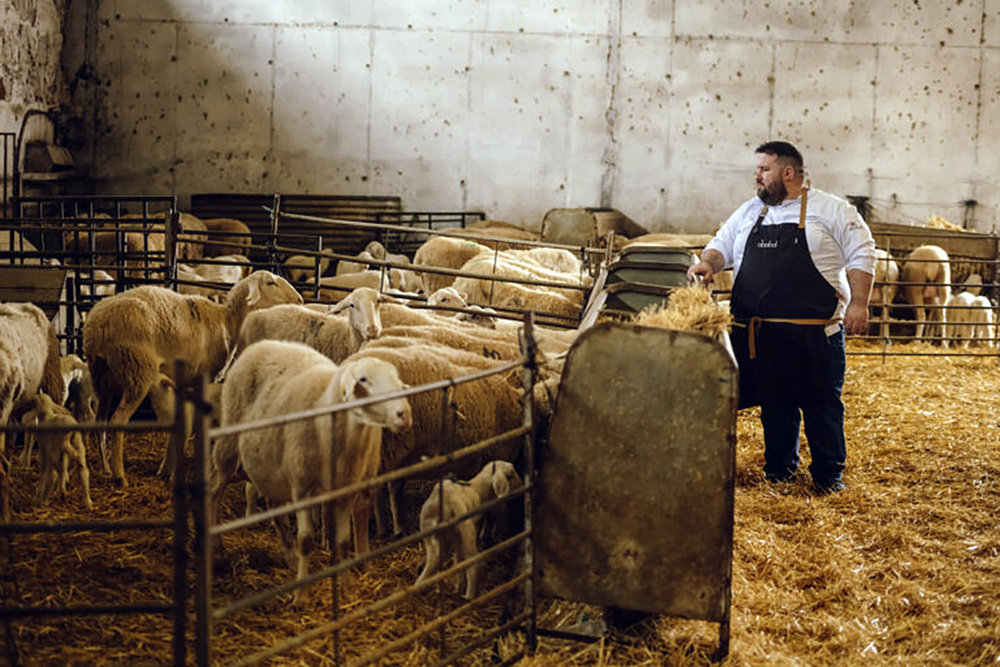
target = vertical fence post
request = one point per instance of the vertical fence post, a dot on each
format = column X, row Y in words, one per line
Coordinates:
column 272, row 252
column 203, row 520
column 530, row 354
column 181, row 513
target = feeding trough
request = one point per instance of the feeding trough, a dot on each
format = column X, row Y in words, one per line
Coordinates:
column 635, row 487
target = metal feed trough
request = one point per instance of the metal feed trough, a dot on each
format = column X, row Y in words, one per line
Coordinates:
column 635, row 486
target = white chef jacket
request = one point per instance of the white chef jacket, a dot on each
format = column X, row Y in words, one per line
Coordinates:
column 836, row 234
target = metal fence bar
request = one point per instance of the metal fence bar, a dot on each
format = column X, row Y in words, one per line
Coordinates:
column 486, row 238
column 427, row 628
column 338, row 494
column 487, row 637
column 347, row 564
column 377, row 606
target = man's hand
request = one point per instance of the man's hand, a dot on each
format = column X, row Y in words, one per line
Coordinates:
column 711, row 263
column 856, row 318
column 703, row 270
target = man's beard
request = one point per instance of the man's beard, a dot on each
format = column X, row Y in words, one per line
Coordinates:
column 773, row 194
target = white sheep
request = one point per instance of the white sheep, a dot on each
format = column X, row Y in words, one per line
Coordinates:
column 449, row 500
column 451, row 297
column 363, row 259
column 303, row 458
column 982, row 321
column 226, row 236
column 56, row 448
column 446, row 253
column 132, row 339
column 927, row 277
column 335, row 331
column 477, row 410
column 302, row 268
column 502, row 293
column 29, row 359
column 960, row 328
column 335, row 288
column 884, row 291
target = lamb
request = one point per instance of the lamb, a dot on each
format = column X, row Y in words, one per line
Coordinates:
column 335, row 336
column 962, row 319
column 927, row 279
column 29, row 360
column 132, row 339
column 449, row 500
column 446, row 253
column 984, row 321
column 78, row 396
column 884, row 291
column 226, row 236
column 56, row 448
column 303, row 458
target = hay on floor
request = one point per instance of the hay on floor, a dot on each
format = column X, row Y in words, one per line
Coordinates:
column 903, row 567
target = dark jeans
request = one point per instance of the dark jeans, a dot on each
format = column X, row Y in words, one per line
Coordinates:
column 810, row 369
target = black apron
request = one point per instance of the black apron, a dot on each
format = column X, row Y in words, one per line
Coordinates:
column 778, row 297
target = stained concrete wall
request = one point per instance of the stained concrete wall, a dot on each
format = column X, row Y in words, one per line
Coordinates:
column 519, row 106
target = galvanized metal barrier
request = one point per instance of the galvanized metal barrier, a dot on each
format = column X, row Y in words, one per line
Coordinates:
column 177, row 524
column 636, row 483
column 205, row 533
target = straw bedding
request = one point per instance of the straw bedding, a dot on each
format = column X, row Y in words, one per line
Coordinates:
column 904, row 566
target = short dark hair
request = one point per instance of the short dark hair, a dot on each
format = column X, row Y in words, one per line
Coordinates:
column 782, row 149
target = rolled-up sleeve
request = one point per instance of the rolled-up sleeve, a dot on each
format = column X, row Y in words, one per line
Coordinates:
column 855, row 240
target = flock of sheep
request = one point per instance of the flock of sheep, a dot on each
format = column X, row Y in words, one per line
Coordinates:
column 953, row 314
column 368, row 332
column 273, row 354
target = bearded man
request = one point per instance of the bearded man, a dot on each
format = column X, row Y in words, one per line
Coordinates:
column 803, row 262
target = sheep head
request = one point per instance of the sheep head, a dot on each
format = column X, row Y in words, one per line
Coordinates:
column 504, row 477
column 362, row 312
column 368, row 377
column 262, row 289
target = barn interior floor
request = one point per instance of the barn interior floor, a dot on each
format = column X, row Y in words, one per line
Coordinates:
column 903, row 566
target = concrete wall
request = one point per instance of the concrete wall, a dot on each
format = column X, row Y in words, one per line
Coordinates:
column 519, row 106
column 30, row 75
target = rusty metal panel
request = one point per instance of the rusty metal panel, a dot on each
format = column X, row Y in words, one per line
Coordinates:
column 635, row 487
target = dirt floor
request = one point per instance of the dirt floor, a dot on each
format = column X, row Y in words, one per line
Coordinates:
column 902, row 567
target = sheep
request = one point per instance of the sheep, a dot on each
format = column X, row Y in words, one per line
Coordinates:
column 137, row 247
column 486, row 292
column 446, row 253
column 303, row 458
column 478, row 409
column 302, row 268
column 449, row 500
column 982, row 321
column 927, row 274
column 78, row 396
column 377, row 251
column 555, row 259
column 226, row 236
column 56, row 448
column 132, row 339
column 960, row 328
column 363, row 264
column 334, row 288
column 29, row 360
column 212, row 281
column 884, row 291
column 451, row 297
column 335, row 336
